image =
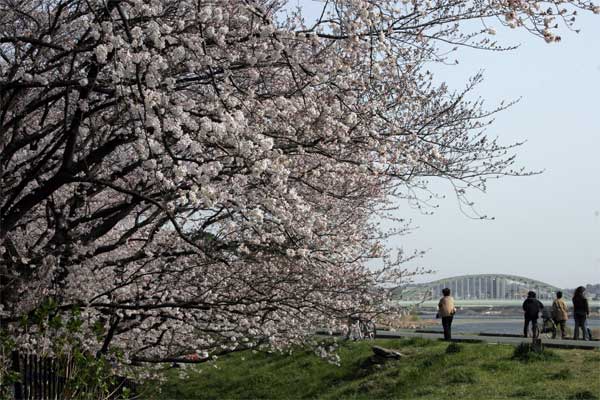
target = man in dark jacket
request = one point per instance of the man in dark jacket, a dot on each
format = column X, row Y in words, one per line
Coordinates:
column 532, row 308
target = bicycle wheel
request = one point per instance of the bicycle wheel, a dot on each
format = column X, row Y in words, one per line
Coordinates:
column 361, row 332
column 372, row 329
column 548, row 330
column 365, row 331
column 357, row 333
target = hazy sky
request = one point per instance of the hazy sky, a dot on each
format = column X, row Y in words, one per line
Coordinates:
column 546, row 226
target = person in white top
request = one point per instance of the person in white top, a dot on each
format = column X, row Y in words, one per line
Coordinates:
column 446, row 311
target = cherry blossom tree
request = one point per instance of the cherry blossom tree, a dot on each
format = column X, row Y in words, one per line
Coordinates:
column 202, row 176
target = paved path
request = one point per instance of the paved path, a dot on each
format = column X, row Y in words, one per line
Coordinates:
column 558, row 343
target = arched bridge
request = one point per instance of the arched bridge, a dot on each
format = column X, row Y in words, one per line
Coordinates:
column 477, row 287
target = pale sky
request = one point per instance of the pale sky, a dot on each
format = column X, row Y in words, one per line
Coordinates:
column 547, row 226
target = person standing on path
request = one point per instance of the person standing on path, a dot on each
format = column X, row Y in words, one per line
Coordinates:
column 560, row 315
column 581, row 310
column 446, row 311
column 532, row 308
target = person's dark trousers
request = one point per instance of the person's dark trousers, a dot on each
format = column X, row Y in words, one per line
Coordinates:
column 447, row 325
column 563, row 329
column 533, row 325
column 580, row 322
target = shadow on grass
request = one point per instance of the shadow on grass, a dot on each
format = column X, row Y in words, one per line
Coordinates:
column 462, row 376
column 454, row 348
column 497, row 366
column 583, row 395
column 417, row 342
column 524, row 394
column 563, row 374
column 434, row 360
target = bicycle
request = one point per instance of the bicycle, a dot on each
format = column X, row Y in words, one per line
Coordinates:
column 548, row 328
column 360, row 329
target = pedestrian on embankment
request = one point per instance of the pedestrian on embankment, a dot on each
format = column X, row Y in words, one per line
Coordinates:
column 446, row 311
column 581, row 311
column 560, row 315
column 531, row 308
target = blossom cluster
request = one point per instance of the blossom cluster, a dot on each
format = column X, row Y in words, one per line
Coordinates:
column 194, row 177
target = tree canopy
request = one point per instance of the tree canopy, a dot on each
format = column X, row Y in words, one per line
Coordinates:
column 186, row 176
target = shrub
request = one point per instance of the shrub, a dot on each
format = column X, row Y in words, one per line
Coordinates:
column 453, row 348
column 527, row 353
column 414, row 315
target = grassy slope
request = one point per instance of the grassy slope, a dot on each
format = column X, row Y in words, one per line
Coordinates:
column 477, row 371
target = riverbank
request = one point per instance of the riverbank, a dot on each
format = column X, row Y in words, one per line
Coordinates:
column 485, row 304
column 467, row 324
column 428, row 370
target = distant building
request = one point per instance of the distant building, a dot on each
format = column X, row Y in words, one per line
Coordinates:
column 479, row 287
column 592, row 291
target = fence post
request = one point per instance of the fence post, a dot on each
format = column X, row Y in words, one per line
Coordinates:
column 16, row 366
column 52, row 381
column 38, row 375
column 32, row 381
column 59, row 379
column 26, row 376
column 46, row 377
column 45, row 374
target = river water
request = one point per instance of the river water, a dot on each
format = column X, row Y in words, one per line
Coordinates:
column 497, row 324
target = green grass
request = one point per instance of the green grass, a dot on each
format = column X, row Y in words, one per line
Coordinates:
column 526, row 353
column 429, row 370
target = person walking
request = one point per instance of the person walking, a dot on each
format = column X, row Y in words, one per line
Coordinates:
column 446, row 311
column 531, row 309
column 581, row 310
column 560, row 315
